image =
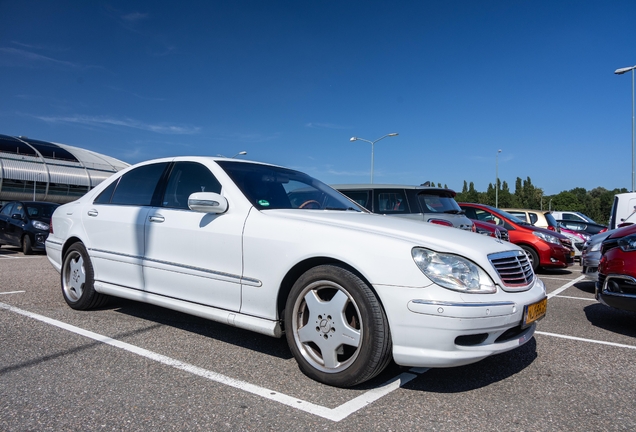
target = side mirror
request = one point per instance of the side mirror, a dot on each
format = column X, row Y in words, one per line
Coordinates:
column 207, row 202
column 17, row 216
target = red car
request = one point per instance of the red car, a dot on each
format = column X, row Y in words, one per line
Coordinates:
column 491, row 230
column 545, row 248
column 616, row 286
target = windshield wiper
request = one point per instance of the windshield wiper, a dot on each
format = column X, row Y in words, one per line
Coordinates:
column 455, row 211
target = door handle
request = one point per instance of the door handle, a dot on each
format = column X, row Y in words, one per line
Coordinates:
column 156, row 219
column 92, row 213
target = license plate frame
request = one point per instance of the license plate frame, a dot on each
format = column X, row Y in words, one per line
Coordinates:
column 534, row 312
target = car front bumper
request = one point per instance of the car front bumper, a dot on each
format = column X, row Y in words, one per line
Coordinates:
column 617, row 291
column 459, row 330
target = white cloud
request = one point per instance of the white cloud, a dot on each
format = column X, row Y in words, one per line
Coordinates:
column 18, row 57
column 134, row 17
column 126, row 122
column 314, row 125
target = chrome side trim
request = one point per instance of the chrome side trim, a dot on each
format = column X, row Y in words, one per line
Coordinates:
column 236, row 278
column 236, row 319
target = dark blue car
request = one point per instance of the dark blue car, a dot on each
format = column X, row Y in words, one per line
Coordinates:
column 26, row 224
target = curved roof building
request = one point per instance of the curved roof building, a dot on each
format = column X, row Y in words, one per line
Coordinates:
column 45, row 171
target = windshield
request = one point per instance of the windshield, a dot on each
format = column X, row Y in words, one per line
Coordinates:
column 41, row 211
column 508, row 216
column 269, row 188
column 432, row 203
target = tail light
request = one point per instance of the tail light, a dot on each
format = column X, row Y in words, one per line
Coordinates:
column 51, row 226
column 440, row 222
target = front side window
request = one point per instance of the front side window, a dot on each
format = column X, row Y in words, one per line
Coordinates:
column 187, row 178
column 138, row 186
column 7, row 210
column 269, row 188
column 362, row 197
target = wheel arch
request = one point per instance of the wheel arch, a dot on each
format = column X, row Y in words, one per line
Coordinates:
column 69, row 242
column 300, row 268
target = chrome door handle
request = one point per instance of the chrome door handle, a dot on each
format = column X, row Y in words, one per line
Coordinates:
column 156, row 219
column 92, row 213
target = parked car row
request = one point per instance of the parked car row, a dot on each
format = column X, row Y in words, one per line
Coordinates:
column 276, row 251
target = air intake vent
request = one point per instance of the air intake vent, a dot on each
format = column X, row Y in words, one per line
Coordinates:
column 514, row 269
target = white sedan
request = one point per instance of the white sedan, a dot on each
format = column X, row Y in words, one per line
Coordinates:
column 276, row 251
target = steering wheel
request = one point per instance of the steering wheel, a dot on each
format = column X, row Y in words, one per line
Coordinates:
column 310, row 204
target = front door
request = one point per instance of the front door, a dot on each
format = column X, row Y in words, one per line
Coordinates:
column 189, row 255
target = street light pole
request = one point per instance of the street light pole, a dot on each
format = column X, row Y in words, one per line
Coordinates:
column 242, row 153
column 497, row 179
column 621, row 71
column 372, row 145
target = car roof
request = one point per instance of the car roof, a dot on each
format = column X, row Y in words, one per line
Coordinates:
column 389, row 186
column 524, row 210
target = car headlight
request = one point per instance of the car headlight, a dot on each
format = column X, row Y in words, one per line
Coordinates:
column 596, row 247
column 453, row 272
column 628, row 243
column 546, row 237
column 40, row 225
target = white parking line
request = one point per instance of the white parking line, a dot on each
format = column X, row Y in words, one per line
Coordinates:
column 335, row 414
column 585, row 340
column 12, row 292
column 564, row 287
column 577, row 298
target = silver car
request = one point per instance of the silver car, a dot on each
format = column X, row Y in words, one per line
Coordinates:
column 591, row 256
column 430, row 204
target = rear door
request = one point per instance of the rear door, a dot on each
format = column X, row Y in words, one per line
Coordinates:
column 114, row 223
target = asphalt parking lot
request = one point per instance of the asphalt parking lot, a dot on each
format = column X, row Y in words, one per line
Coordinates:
column 131, row 366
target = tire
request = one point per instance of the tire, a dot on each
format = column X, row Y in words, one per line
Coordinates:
column 336, row 328
column 532, row 255
column 27, row 245
column 77, row 279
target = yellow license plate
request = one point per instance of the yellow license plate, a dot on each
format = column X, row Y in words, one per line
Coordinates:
column 534, row 312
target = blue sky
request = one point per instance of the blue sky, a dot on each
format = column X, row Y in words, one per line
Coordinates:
column 290, row 82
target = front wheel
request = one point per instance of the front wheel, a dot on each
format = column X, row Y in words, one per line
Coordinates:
column 27, row 245
column 532, row 256
column 336, row 327
column 78, row 280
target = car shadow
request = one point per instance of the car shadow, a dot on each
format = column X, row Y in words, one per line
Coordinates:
column 614, row 320
column 477, row 375
column 553, row 272
column 276, row 347
column 585, row 286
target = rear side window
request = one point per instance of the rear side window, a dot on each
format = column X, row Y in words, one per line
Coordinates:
column 551, row 220
column 137, row 187
column 533, row 218
column 433, row 203
column 187, row 178
column 391, row 202
column 520, row 215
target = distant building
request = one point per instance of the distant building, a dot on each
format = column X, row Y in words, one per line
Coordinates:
column 49, row 171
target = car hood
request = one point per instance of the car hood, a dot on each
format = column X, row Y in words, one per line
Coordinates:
column 417, row 233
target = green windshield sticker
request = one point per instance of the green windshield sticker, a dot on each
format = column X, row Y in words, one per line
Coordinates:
column 263, row 203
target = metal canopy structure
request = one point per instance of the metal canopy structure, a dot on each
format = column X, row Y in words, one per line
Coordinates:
column 45, row 171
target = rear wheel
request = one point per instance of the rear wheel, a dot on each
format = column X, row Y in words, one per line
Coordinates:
column 27, row 246
column 78, row 280
column 336, row 327
column 532, row 256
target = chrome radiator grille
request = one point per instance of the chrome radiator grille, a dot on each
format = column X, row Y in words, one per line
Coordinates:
column 514, row 269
